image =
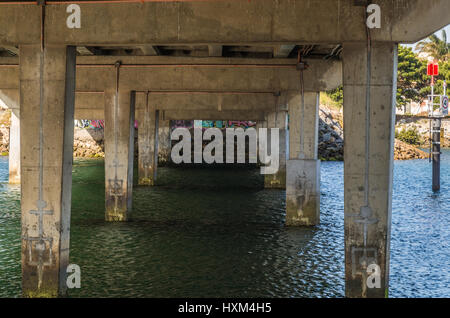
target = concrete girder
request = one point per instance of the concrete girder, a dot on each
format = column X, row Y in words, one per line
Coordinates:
column 185, row 114
column 222, row 22
column 320, row 76
column 90, row 105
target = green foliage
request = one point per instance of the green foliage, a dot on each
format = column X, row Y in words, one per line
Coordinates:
column 410, row 136
column 413, row 84
column 412, row 77
column 337, row 95
column 435, row 47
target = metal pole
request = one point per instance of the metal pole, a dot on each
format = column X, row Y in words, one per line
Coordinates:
column 436, row 154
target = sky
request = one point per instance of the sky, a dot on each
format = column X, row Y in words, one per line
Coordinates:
column 438, row 33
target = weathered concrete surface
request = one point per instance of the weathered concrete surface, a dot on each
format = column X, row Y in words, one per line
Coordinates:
column 277, row 120
column 148, row 145
column 90, row 105
column 369, row 106
column 164, row 146
column 303, row 192
column 214, row 115
column 187, row 114
column 303, row 168
column 47, row 89
column 261, row 77
column 222, row 22
column 119, row 148
column 14, row 147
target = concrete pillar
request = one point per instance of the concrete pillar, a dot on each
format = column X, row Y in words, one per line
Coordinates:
column 47, row 95
column 369, row 114
column 148, row 145
column 277, row 180
column 164, row 145
column 119, row 153
column 303, row 168
column 14, row 147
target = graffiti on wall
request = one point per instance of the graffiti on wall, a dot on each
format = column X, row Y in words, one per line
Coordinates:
column 94, row 124
column 214, row 124
column 100, row 124
column 88, row 123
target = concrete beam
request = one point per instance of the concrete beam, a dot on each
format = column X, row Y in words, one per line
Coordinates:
column 320, row 76
column 222, row 22
column 208, row 101
column 91, row 105
column 213, row 115
column 184, row 114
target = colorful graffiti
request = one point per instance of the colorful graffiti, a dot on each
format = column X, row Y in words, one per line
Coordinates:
column 214, row 124
column 88, row 123
column 94, row 124
column 100, row 124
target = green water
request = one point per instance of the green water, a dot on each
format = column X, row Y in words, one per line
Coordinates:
column 215, row 232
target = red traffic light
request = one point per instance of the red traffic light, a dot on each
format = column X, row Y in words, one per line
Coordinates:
column 433, row 69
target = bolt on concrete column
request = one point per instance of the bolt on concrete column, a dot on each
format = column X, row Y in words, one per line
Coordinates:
column 369, row 113
column 148, row 145
column 277, row 180
column 14, row 147
column 119, row 154
column 164, row 146
column 47, row 95
column 303, row 168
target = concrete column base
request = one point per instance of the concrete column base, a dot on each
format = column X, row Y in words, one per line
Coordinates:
column 303, row 192
column 277, row 180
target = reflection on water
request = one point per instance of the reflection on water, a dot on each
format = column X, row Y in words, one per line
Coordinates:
column 218, row 233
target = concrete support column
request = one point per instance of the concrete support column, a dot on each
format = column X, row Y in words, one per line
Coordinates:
column 119, row 153
column 164, row 145
column 277, row 180
column 14, row 147
column 148, row 145
column 47, row 95
column 303, row 168
column 369, row 113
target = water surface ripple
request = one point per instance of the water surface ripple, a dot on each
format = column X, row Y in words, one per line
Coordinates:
column 218, row 233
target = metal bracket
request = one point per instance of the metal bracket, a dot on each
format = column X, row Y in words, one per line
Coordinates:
column 301, row 66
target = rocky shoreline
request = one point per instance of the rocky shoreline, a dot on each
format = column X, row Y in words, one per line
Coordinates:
column 331, row 139
column 89, row 142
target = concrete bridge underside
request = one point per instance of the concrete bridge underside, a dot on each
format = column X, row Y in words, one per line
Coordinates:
column 228, row 59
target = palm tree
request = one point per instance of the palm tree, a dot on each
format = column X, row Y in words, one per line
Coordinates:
column 435, row 47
